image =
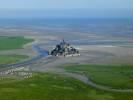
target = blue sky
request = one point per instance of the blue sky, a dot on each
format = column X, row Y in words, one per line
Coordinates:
column 70, row 8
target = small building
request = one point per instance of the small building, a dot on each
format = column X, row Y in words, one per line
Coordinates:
column 64, row 49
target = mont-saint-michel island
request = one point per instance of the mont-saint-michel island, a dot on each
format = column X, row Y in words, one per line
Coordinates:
column 66, row 50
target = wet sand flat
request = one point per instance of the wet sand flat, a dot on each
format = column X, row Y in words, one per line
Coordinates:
column 117, row 54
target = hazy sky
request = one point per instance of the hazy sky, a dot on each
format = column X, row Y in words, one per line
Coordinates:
column 90, row 8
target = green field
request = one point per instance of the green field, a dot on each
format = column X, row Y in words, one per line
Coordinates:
column 8, row 43
column 44, row 86
column 8, row 59
column 113, row 76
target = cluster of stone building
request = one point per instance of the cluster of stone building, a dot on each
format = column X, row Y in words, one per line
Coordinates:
column 64, row 49
column 15, row 72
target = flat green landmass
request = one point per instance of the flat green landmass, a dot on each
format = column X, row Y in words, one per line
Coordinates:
column 9, row 59
column 46, row 86
column 8, row 43
column 119, row 76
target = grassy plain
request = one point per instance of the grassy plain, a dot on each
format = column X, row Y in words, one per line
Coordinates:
column 119, row 76
column 8, row 43
column 8, row 59
column 46, row 86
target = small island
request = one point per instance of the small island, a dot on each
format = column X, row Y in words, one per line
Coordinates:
column 64, row 49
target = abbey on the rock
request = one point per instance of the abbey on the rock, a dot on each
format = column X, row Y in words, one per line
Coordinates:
column 64, row 49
